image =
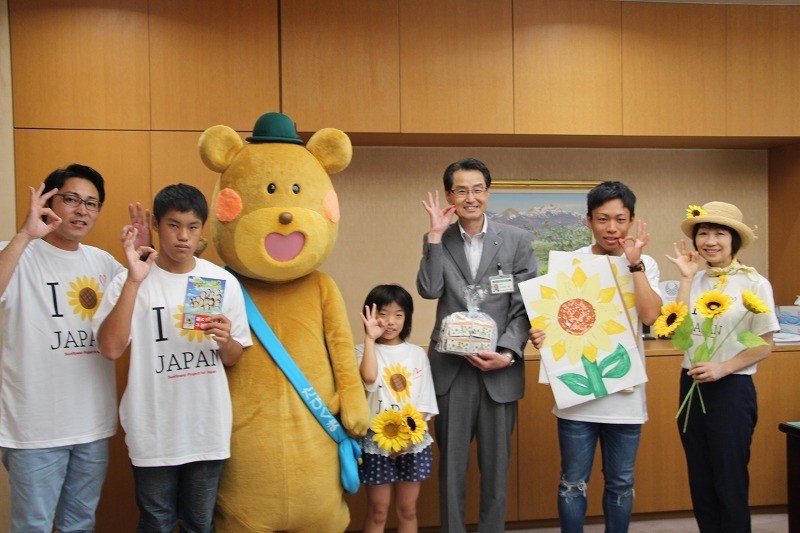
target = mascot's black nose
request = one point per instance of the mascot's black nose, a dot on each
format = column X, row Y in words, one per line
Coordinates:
column 285, row 218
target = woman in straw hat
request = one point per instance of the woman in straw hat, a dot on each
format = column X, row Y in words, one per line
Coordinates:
column 717, row 442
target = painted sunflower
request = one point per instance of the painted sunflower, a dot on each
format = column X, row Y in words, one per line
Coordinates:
column 578, row 316
column 711, row 304
column 671, row 317
column 398, row 379
column 753, row 303
column 84, row 297
column 695, row 211
column 391, row 432
column 414, row 422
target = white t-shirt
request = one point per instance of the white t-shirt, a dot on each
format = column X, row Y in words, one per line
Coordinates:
column 176, row 408
column 55, row 387
column 404, row 376
column 621, row 407
column 757, row 324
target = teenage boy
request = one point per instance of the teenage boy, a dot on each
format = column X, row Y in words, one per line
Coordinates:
column 176, row 409
column 58, row 403
column 478, row 393
column 616, row 420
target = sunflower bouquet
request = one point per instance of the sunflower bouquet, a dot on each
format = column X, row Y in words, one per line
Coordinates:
column 676, row 323
column 396, row 430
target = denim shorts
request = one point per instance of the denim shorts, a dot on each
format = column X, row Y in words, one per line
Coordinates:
column 380, row 469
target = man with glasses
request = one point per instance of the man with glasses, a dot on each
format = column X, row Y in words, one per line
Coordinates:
column 477, row 393
column 58, row 403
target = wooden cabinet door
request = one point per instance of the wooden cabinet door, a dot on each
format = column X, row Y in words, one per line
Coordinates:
column 80, row 64
column 673, row 69
column 567, row 67
column 213, row 63
column 340, row 65
column 763, row 70
column 456, row 68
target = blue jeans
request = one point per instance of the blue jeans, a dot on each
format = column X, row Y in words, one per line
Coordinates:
column 618, row 444
column 182, row 494
column 60, row 484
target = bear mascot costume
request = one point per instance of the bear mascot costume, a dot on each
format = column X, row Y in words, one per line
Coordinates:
column 274, row 221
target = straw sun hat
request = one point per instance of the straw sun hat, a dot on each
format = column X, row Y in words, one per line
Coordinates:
column 717, row 213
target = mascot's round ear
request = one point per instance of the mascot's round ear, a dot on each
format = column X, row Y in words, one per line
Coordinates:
column 332, row 148
column 218, row 145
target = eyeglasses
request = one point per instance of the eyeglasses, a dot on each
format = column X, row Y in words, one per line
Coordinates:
column 463, row 193
column 73, row 200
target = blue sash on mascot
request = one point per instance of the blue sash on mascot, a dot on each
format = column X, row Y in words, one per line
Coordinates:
column 349, row 450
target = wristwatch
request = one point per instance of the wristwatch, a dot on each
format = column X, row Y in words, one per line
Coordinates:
column 510, row 355
column 638, row 267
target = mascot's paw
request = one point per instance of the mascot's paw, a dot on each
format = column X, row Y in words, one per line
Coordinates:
column 355, row 413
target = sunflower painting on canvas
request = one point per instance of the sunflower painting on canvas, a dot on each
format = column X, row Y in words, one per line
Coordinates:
column 590, row 350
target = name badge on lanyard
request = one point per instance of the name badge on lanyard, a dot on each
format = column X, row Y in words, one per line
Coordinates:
column 501, row 283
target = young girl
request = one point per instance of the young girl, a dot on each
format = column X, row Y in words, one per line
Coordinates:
column 395, row 373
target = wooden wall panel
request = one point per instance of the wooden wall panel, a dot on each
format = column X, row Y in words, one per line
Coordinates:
column 176, row 159
column 661, row 479
column 213, row 63
column 80, row 64
column 673, row 69
column 784, row 221
column 567, row 67
column 123, row 158
column 763, row 73
column 340, row 65
column 456, row 68
column 778, row 401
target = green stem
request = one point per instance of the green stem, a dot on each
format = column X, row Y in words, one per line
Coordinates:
column 595, row 378
column 688, row 410
column 713, row 348
column 686, row 399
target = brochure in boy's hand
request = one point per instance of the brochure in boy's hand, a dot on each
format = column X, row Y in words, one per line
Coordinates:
column 203, row 300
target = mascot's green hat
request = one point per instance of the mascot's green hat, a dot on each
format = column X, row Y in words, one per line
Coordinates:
column 274, row 128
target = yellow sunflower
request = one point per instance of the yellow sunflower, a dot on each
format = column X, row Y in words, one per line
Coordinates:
column 84, row 297
column 414, row 422
column 578, row 316
column 398, row 379
column 391, row 432
column 193, row 334
column 671, row 317
column 625, row 281
column 695, row 211
column 712, row 303
column 753, row 303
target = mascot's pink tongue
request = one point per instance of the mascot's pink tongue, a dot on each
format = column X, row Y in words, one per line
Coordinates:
column 284, row 247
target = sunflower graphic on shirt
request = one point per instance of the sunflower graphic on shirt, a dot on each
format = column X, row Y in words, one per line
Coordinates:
column 398, row 379
column 85, row 296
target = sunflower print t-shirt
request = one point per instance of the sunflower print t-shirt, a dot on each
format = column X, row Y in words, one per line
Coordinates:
column 404, row 376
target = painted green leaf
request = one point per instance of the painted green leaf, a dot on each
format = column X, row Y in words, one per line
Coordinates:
column 750, row 340
column 618, row 363
column 576, row 383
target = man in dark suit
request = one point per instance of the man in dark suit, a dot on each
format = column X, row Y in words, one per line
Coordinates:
column 477, row 393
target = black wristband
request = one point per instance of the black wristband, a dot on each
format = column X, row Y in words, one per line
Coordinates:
column 638, row 267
